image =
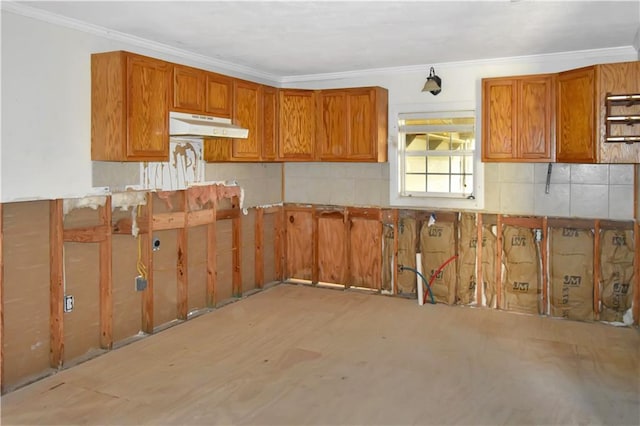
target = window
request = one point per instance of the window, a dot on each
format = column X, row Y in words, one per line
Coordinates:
column 436, row 154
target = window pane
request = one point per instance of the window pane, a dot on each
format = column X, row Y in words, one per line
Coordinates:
column 416, row 142
column 457, row 164
column 416, row 165
column 437, row 183
column 438, row 164
column 461, row 184
column 468, row 165
column 415, row 183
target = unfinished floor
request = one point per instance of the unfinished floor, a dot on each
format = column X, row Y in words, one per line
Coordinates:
column 295, row 354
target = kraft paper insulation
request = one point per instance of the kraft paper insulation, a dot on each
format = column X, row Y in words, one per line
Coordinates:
column 466, row 292
column 437, row 245
column 521, row 283
column 489, row 243
column 616, row 261
column 407, row 254
column 571, row 273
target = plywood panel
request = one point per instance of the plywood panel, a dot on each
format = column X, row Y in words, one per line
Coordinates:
column 197, row 268
column 126, row 300
column 269, row 245
column 366, row 253
column 82, row 281
column 81, row 217
column 165, row 283
column 26, row 290
column 248, row 251
column 299, row 243
column 332, row 255
column 224, row 261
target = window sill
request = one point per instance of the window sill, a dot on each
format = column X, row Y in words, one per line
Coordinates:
column 436, row 202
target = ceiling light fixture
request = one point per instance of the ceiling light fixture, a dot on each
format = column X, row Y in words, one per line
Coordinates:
column 433, row 83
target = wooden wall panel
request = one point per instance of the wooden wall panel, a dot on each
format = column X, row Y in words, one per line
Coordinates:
column 126, row 300
column 25, row 291
column 332, row 250
column 224, row 261
column 248, row 251
column 269, row 247
column 82, row 281
column 299, row 243
column 197, row 268
column 366, row 253
column 165, row 283
column 81, row 217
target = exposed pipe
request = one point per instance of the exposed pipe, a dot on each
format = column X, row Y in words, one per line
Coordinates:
column 402, row 268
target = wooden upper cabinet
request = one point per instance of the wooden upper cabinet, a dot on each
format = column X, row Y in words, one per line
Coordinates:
column 332, row 120
column 518, row 117
column 297, row 124
column 617, row 79
column 201, row 92
column 129, row 107
column 352, row 124
column 269, row 123
column 188, row 89
column 247, row 113
column 576, row 116
column 367, row 124
column 219, row 95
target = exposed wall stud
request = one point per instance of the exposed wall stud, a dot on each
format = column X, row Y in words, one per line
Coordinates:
column 56, row 294
column 259, row 252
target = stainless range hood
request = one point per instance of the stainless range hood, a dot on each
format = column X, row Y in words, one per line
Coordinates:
column 205, row 126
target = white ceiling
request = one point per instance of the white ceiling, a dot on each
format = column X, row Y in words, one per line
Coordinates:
column 293, row 38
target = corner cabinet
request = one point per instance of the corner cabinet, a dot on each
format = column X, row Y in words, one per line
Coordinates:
column 129, row 107
column 581, row 105
column 297, row 125
column 518, row 118
column 352, row 124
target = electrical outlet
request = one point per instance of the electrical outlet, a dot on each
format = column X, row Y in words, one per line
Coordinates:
column 68, row 303
column 141, row 283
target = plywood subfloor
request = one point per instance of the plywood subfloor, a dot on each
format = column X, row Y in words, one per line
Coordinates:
column 302, row 355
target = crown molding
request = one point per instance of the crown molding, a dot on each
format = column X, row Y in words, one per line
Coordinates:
column 75, row 24
column 581, row 54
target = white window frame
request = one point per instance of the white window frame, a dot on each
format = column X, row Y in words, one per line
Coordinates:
column 432, row 200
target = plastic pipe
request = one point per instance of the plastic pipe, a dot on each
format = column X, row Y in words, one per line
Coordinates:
column 402, row 268
column 419, row 287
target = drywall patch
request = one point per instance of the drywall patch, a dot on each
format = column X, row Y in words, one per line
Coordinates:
column 185, row 167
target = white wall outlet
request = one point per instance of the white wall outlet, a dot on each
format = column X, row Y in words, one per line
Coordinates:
column 68, row 303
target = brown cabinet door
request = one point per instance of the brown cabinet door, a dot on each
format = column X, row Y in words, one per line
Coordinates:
column 269, row 123
column 365, row 256
column 297, row 125
column 148, row 83
column 299, row 243
column 575, row 131
column 361, row 135
column 332, row 125
column 535, row 118
column 188, row 89
column 219, row 95
column 248, row 114
column 499, row 119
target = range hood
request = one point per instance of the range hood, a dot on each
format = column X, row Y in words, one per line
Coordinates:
column 194, row 125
